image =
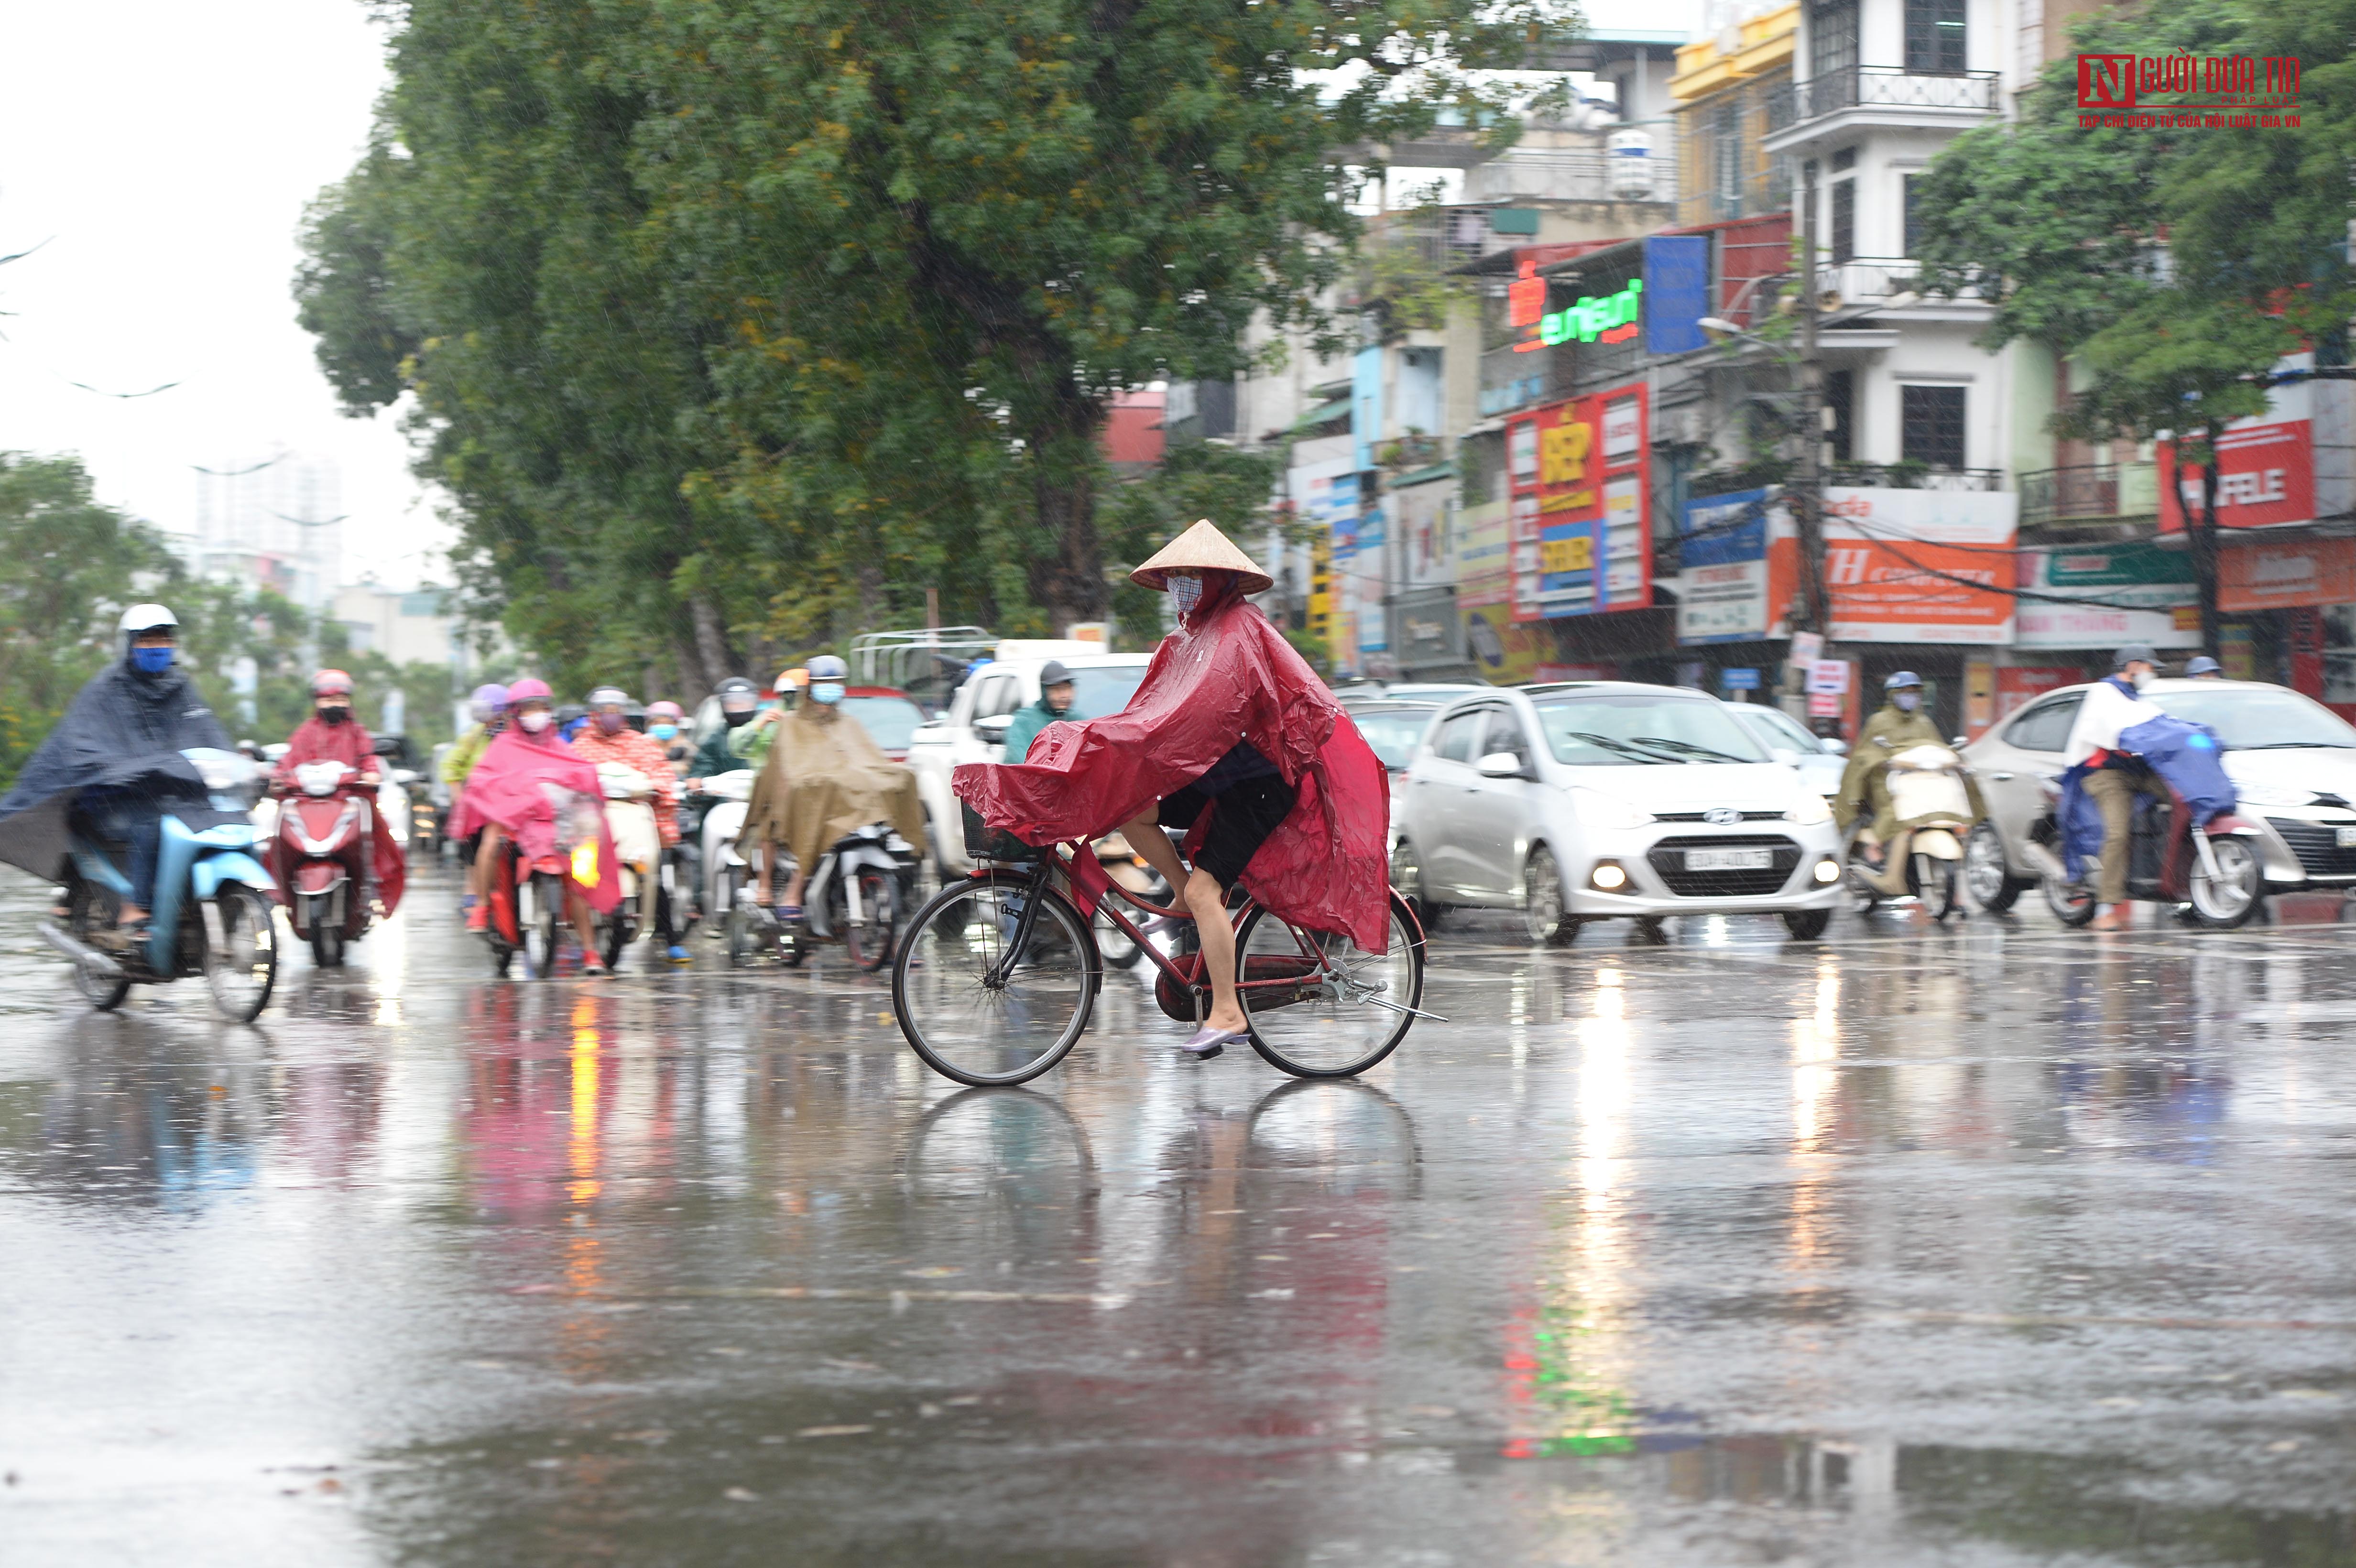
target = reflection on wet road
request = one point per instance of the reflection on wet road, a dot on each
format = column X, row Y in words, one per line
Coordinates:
column 1999, row 1245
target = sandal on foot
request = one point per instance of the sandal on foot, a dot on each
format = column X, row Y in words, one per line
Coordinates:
column 1208, row 1041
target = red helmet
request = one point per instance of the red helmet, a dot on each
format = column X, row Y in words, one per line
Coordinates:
column 331, row 683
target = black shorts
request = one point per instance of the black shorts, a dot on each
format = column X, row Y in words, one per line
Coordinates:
column 1248, row 813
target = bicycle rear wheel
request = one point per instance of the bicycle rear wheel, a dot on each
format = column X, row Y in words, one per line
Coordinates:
column 1347, row 1018
column 967, row 1029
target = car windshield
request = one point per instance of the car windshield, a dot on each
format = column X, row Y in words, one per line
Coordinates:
column 888, row 721
column 1627, row 729
column 1393, row 732
column 2248, row 719
column 1104, row 690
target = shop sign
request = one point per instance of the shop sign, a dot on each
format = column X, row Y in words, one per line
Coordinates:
column 2149, row 594
column 1612, row 318
column 2015, row 684
column 1910, row 566
column 2268, row 472
column 1579, row 520
column 2283, row 576
column 1722, row 590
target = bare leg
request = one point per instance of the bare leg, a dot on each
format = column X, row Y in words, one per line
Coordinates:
column 1145, row 837
column 585, row 923
column 1209, row 902
column 793, row 898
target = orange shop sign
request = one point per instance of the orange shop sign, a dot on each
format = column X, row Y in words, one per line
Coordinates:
column 2285, row 576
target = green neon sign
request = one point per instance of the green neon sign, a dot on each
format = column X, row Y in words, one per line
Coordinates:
column 1611, row 318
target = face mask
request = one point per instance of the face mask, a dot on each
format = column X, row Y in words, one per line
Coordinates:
column 827, row 691
column 153, row 661
column 735, row 718
column 662, row 732
column 609, row 723
column 334, row 715
column 1186, row 592
column 1907, row 702
column 2140, row 679
column 537, row 722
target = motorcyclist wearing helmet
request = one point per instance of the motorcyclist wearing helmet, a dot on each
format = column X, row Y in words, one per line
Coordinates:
column 2203, row 667
column 113, row 765
column 608, row 738
column 330, row 735
column 489, row 707
column 532, row 747
column 740, row 699
column 750, row 745
column 664, row 724
column 1899, row 723
column 825, row 776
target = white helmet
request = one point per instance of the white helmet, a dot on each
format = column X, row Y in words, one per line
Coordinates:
column 142, row 618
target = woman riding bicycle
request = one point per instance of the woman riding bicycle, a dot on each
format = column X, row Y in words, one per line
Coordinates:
column 1232, row 737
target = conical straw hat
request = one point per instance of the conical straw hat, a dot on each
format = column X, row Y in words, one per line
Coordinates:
column 1205, row 548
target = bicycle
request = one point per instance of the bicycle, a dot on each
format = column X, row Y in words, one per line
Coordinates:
column 999, row 973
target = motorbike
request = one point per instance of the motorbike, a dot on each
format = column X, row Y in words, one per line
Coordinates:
column 324, row 832
column 525, row 895
column 863, row 887
column 1932, row 806
column 724, row 871
column 638, row 846
column 2214, row 870
column 212, row 913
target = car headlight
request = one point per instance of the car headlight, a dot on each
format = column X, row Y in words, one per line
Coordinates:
column 2272, row 794
column 1812, row 809
column 1597, row 809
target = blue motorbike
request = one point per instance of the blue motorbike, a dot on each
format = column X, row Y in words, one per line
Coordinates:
column 213, row 911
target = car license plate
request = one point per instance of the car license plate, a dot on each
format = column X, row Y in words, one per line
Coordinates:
column 2347, row 838
column 1730, row 860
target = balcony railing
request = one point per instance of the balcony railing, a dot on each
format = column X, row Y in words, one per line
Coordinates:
column 1910, row 476
column 1879, row 87
column 2059, row 495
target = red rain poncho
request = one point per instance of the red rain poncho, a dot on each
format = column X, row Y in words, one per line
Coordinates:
column 1223, row 675
column 349, row 743
column 504, row 790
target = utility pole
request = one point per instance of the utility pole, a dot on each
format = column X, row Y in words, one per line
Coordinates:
column 1806, row 495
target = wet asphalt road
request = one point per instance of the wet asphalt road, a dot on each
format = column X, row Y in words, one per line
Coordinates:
column 1989, row 1246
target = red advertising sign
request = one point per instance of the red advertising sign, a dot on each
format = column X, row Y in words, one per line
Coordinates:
column 2265, row 476
column 2282, row 576
column 1579, row 520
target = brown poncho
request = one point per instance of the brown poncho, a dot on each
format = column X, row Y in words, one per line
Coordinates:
column 825, row 777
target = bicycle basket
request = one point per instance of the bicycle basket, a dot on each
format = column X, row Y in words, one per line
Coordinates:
column 984, row 843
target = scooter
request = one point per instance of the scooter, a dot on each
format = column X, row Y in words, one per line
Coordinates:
column 229, row 936
column 2214, row 870
column 724, row 871
column 325, row 835
column 525, row 897
column 638, row 846
column 861, row 889
column 1934, row 807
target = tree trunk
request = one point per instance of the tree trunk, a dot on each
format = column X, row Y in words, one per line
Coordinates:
column 1066, row 579
column 2204, row 541
column 713, row 652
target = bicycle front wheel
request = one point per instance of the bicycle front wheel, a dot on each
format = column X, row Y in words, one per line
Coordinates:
column 1346, row 1014
column 967, row 1021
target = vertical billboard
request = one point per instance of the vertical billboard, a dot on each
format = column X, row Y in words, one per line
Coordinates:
column 2270, row 471
column 1580, row 508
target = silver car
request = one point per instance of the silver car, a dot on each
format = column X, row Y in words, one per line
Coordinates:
column 1592, row 800
column 2292, row 760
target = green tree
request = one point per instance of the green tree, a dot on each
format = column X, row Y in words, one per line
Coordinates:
column 2175, row 266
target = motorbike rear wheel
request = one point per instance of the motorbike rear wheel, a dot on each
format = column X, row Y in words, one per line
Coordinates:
column 90, row 911
column 243, row 968
column 326, row 941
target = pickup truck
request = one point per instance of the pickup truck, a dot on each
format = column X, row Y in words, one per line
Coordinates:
column 973, row 726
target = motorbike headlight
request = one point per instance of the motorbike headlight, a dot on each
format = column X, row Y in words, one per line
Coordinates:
column 1812, row 809
column 1597, row 809
column 2272, row 794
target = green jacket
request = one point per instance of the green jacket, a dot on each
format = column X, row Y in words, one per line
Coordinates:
column 749, row 743
column 713, row 757
column 1024, row 728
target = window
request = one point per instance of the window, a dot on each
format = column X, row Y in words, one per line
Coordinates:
column 1840, row 397
column 1935, row 37
column 1504, row 733
column 1931, row 425
column 1844, row 220
column 1832, row 40
column 1643, row 730
column 2046, row 727
column 1913, row 220
column 1455, row 739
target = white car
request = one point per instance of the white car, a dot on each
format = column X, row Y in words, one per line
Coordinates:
column 1591, row 800
column 973, row 726
column 1820, row 761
